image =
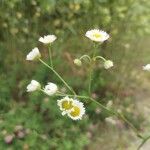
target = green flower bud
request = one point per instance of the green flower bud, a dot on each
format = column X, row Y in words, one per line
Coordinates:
column 108, row 64
column 78, row 62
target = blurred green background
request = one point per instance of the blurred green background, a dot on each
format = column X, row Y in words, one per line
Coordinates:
column 33, row 121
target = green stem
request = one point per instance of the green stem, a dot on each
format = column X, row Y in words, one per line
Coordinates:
column 91, row 70
column 143, row 142
column 90, row 78
column 78, row 96
column 110, row 111
column 99, row 57
column 50, row 56
column 85, row 56
column 130, row 124
column 66, row 84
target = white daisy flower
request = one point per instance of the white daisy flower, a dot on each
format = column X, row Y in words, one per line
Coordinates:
column 33, row 86
column 34, row 54
column 65, row 104
column 50, row 89
column 47, row 39
column 146, row 67
column 108, row 64
column 77, row 110
column 97, row 35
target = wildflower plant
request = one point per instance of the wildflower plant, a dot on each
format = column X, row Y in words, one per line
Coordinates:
column 71, row 104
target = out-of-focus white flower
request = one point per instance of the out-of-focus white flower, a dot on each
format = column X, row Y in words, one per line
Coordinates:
column 108, row 64
column 33, row 86
column 47, row 39
column 78, row 62
column 77, row 110
column 34, row 54
column 109, row 104
column 97, row 35
column 110, row 120
column 146, row 67
column 50, row 89
column 65, row 104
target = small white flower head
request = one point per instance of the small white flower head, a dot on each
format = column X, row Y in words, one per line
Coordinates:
column 34, row 54
column 110, row 120
column 33, row 86
column 97, row 35
column 47, row 39
column 77, row 62
column 108, row 64
column 109, row 104
column 146, row 67
column 77, row 110
column 50, row 89
column 65, row 104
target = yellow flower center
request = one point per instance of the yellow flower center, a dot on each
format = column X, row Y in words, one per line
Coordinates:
column 75, row 112
column 67, row 105
column 97, row 35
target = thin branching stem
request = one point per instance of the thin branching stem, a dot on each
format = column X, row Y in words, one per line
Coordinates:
column 56, row 73
column 143, row 142
column 99, row 57
column 50, row 55
column 85, row 56
column 112, row 112
column 91, row 69
column 90, row 78
column 130, row 124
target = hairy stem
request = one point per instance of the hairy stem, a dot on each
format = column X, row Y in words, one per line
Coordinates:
column 50, row 56
column 90, row 78
column 65, row 83
column 91, row 70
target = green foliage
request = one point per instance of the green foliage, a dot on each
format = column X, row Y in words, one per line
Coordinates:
column 21, row 24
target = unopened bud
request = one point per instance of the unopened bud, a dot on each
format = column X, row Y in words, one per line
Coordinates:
column 108, row 64
column 109, row 104
column 78, row 62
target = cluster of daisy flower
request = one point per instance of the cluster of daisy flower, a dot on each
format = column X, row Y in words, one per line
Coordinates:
column 71, row 107
column 35, row 53
column 50, row 89
column 97, row 36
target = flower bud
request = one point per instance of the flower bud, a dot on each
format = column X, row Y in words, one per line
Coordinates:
column 33, row 86
column 110, row 120
column 50, row 89
column 78, row 62
column 109, row 104
column 108, row 64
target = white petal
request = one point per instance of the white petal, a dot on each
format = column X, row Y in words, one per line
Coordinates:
column 34, row 54
column 97, row 35
column 50, row 89
column 33, row 86
column 47, row 39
